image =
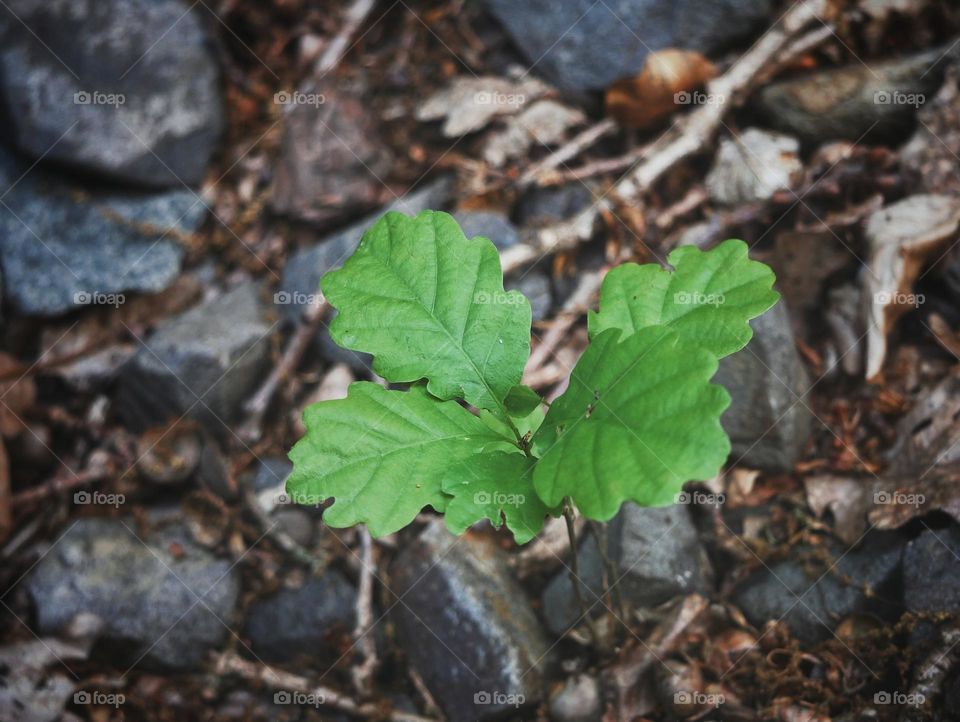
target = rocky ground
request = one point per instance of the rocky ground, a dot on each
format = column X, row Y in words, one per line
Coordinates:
column 175, row 179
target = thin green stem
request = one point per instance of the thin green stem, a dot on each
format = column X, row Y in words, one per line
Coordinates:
column 568, row 515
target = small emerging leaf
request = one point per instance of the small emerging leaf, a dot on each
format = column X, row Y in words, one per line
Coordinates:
column 429, row 303
column 638, row 420
column 496, row 486
column 383, row 454
column 708, row 299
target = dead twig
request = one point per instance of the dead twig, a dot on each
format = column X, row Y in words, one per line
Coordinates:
column 257, row 405
column 337, row 47
column 573, row 148
column 700, row 126
column 579, row 301
column 229, row 663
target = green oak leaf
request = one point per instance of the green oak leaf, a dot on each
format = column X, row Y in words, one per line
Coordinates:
column 497, row 486
column 524, row 409
column 638, row 420
column 382, row 455
column 708, row 299
column 429, row 303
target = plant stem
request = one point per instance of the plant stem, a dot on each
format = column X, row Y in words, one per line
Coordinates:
column 611, row 568
column 568, row 516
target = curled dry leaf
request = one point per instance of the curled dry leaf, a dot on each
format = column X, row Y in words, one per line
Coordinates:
column 662, row 87
column 469, row 104
column 902, row 238
column 928, row 434
column 849, row 500
column 545, row 123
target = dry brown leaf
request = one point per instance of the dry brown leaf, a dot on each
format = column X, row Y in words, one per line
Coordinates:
column 660, row 88
column 928, row 434
column 902, row 237
column 18, row 393
column 938, row 489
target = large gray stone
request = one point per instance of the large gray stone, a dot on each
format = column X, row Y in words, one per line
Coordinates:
column 769, row 417
column 466, row 626
column 303, row 620
column 878, row 102
column 586, row 45
column 657, row 552
column 931, row 571
column 332, row 160
column 814, row 590
column 61, row 249
column 126, row 88
column 205, row 362
column 151, row 602
column 493, row 226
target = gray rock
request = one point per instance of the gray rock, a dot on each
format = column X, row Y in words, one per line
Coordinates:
column 493, row 226
column 536, row 286
column 466, row 627
column 297, row 522
column 300, row 281
column 931, row 571
column 848, row 103
column 578, row 700
column 126, row 88
column 146, row 598
column 585, row 45
column 811, row 600
column 332, row 160
column 543, row 206
column 203, row 363
column 657, row 551
column 271, row 473
column 769, row 419
column 304, row 620
column 61, row 249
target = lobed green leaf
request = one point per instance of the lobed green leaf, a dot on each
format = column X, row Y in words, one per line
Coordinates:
column 383, row 455
column 496, row 486
column 429, row 303
column 707, row 299
column 638, row 420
